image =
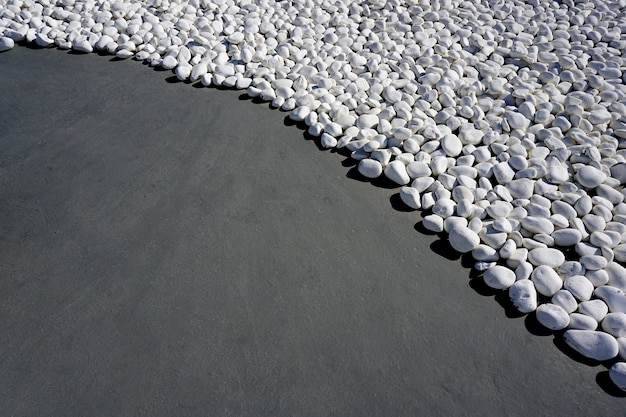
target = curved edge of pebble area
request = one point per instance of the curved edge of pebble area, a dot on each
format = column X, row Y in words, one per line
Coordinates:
column 504, row 121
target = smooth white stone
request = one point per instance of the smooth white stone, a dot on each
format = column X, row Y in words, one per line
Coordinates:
column 597, row 278
column 537, row 224
column 516, row 120
column 592, row 344
column 590, row 177
column 617, row 275
column 621, row 341
column 409, row 196
column 81, row 44
column 299, row 113
column 452, row 145
column 615, row 324
column 521, row 188
column 579, row 321
column 484, row 253
column 546, row 256
column 169, row 62
column 433, row 223
column 580, row 287
column 566, row 300
column 6, row 43
column 499, row 277
column 327, row 141
column 594, row 308
column 444, row 207
column 566, row 237
column 422, row 184
column 418, row 169
column 183, row 71
column 453, row 222
column 499, row 209
column 508, row 249
column 365, row 121
column 523, row 295
column 463, row 239
column 617, row 373
column 396, row 172
column 552, row 316
column 546, row 280
column 371, row 168
column 613, row 297
column 503, row 172
column 523, row 271
column 593, row 262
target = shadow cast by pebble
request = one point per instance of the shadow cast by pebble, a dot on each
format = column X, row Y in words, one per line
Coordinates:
column 559, row 342
column 603, row 380
column 397, row 204
column 534, row 327
column 443, row 248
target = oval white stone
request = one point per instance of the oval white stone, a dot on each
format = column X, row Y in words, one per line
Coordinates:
column 546, row 280
column 370, row 168
column 546, row 256
column 464, row 239
column 552, row 316
column 499, row 277
column 592, row 344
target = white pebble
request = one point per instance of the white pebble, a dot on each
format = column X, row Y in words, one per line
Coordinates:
column 546, row 256
column 524, row 296
column 464, row 240
column 6, row 43
column 396, row 172
column 579, row 321
column 615, row 324
column 592, row 344
column 499, row 277
column 617, row 373
column 370, row 168
column 546, row 280
column 552, row 316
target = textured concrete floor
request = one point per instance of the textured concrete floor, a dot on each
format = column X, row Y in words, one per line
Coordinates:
column 170, row 250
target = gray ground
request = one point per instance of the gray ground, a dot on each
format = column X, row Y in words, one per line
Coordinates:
column 169, row 251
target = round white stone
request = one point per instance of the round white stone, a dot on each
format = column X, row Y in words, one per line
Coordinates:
column 499, row 277
column 552, row 316
column 370, row 168
column 464, row 239
column 433, row 223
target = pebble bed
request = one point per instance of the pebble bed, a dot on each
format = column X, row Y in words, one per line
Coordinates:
column 504, row 121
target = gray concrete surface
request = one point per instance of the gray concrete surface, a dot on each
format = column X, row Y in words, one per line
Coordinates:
column 168, row 250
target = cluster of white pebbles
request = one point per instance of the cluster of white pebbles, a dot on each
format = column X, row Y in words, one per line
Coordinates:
column 505, row 121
